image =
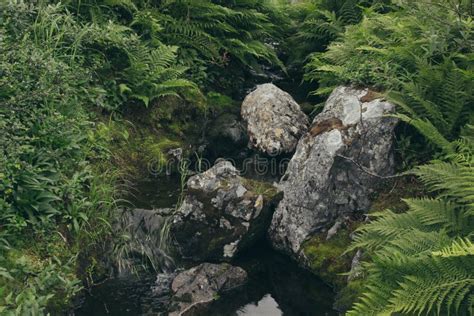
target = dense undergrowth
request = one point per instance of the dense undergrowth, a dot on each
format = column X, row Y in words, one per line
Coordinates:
column 91, row 91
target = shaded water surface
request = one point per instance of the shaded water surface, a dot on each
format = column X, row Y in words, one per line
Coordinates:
column 276, row 285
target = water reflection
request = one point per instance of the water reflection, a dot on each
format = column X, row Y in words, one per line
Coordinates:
column 276, row 285
column 267, row 306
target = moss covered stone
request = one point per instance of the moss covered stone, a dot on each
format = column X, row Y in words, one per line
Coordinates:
column 327, row 258
column 266, row 189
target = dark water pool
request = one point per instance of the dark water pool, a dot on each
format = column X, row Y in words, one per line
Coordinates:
column 276, row 285
column 159, row 192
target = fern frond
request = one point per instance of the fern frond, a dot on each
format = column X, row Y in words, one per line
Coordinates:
column 430, row 132
column 459, row 247
column 437, row 214
column 422, row 261
column 439, row 285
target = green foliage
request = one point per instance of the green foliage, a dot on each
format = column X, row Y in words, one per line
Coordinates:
column 215, row 35
column 54, row 203
column 387, row 50
column 318, row 22
column 31, row 295
column 421, row 54
column 123, row 67
column 209, row 36
column 152, row 75
column 422, row 261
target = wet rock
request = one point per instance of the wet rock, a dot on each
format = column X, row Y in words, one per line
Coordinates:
column 336, row 167
column 227, row 136
column 162, row 286
column 228, row 127
column 222, row 214
column 274, row 120
column 195, row 288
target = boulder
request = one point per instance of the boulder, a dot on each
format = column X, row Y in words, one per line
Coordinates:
column 195, row 288
column 222, row 213
column 336, row 167
column 274, row 120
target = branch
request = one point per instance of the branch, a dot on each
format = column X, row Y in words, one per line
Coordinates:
column 366, row 170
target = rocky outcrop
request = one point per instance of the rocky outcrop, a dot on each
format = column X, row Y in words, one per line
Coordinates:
column 274, row 120
column 336, row 167
column 195, row 288
column 222, row 214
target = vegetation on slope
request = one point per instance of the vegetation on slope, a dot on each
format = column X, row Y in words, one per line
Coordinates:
column 73, row 73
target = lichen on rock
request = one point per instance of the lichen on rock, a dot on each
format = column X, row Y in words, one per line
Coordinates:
column 274, row 120
column 336, row 168
column 222, row 214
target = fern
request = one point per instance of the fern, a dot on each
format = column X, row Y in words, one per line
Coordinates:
column 460, row 247
column 419, row 54
column 319, row 22
column 422, row 261
column 153, row 74
column 217, row 33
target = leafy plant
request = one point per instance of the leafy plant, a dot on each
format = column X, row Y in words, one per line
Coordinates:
column 420, row 53
column 386, row 50
column 422, row 261
column 209, row 36
column 215, row 34
column 152, row 75
column 316, row 23
column 54, row 204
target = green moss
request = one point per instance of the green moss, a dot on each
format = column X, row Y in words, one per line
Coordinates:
column 266, row 189
column 218, row 103
column 348, row 295
column 327, row 259
column 157, row 148
column 391, row 194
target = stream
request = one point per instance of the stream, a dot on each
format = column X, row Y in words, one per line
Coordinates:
column 276, row 286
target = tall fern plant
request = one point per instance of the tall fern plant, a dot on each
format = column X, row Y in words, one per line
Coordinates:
column 319, row 22
column 422, row 261
column 211, row 36
column 420, row 54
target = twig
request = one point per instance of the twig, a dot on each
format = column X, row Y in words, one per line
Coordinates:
column 364, row 169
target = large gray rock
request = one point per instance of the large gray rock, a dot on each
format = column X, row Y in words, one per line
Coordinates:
column 195, row 288
column 274, row 120
column 332, row 172
column 222, row 214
